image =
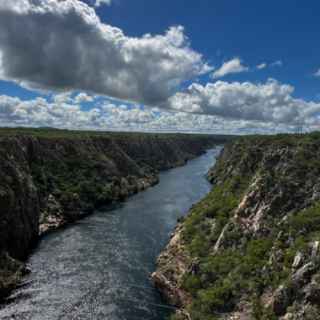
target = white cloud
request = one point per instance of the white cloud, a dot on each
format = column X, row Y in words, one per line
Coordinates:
column 108, row 116
column 69, row 97
column 232, row 66
column 317, row 73
column 63, row 45
column 261, row 66
column 271, row 102
column 83, row 97
column 63, row 97
column 277, row 63
column 98, row 3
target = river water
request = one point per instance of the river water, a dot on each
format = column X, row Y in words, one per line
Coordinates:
column 99, row 268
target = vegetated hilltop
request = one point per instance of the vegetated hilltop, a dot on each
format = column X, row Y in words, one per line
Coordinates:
column 52, row 177
column 250, row 248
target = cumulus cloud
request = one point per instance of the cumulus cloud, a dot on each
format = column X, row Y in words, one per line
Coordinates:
column 99, row 3
column 63, row 97
column 105, row 116
column 232, row 66
column 63, row 45
column 215, row 107
column 108, row 116
column 37, row 112
column 53, row 44
column 272, row 102
column 72, row 98
column 83, row 97
column 261, row 66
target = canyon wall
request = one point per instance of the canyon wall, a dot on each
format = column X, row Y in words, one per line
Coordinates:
column 250, row 248
column 49, row 178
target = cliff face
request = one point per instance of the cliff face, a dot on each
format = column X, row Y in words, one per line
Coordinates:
column 250, row 249
column 49, row 180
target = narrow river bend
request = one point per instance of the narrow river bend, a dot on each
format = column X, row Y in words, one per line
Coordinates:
column 99, row 268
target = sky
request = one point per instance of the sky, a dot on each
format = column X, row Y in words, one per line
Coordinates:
column 231, row 66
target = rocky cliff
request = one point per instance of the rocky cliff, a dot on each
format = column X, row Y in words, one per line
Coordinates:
column 250, row 248
column 49, row 178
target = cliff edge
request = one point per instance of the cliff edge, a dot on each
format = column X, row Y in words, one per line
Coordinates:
column 250, row 248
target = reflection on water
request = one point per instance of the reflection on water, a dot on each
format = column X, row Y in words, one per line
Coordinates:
column 99, row 268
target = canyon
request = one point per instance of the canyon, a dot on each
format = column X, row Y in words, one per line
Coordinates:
column 250, row 248
column 50, row 178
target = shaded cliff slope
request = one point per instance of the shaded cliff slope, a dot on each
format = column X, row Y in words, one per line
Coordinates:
column 50, row 177
column 250, row 248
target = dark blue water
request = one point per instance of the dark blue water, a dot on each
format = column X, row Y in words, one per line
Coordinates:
column 99, row 268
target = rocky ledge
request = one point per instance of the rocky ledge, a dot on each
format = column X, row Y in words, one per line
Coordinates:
column 49, row 178
column 250, row 249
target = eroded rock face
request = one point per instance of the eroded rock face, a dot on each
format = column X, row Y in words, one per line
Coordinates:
column 48, row 180
column 19, row 201
column 169, row 277
column 10, row 273
column 255, row 237
column 282, row 299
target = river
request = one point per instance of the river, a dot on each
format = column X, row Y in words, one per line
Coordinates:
column 99, row 268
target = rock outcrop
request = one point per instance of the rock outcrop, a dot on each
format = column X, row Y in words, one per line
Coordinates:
column 250, row 248
column 49, row 178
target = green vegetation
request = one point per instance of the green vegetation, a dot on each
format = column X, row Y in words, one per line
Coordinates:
column 306, row 222
column 282, row 139
column 217, row 281
column 303, row 227
column 223, row 278
column 83, row 168
column 73, row 176
column 50, row 177
column 242, row 266
column 217, row 205
column 80, row 134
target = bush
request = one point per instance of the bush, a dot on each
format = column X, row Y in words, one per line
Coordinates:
column 306, row 221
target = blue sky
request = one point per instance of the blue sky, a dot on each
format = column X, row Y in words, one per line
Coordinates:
column 283, row 35
column 255, row 31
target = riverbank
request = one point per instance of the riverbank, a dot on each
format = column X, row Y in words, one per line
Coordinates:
column 100, row 266
column 250, row 248
column 49, row 178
